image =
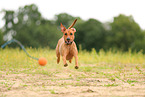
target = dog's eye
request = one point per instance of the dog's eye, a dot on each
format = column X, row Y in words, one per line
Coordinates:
column 71, row 34
column 65, row 34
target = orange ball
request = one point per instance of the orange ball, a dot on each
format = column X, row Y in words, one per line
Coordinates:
column 42, row 61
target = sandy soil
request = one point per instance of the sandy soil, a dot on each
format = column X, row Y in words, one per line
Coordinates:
column 62, row 85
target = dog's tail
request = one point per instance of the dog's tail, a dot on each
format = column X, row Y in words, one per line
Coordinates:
column 72, row 24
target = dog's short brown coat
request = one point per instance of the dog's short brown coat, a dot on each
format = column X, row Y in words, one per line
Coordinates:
column 66, row 46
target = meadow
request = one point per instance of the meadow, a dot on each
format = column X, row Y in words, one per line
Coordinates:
column 111, row 73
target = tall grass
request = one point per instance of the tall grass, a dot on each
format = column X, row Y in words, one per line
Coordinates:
column 15, row 60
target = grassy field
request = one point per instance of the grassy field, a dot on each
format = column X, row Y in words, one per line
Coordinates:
column 108, row 73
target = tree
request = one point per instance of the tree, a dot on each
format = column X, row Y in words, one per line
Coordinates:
column 90, row 34
column 9, row 22
column 65, row 19
column 1, row 37
column 139, row 44
column 124, row 32
column 28, row 26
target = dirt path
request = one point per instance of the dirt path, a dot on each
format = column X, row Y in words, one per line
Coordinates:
column 64, row 85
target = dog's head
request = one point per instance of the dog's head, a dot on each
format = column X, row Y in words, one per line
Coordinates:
column 68, row 34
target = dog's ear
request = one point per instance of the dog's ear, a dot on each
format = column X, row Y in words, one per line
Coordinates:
column 62, row 28
column 73, row 29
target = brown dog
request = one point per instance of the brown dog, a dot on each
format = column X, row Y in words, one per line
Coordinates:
column 66, row 46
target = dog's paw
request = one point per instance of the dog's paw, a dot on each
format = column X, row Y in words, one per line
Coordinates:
column 65, row 65
column 76, row 67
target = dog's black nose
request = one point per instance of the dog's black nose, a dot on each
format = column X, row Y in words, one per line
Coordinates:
column 68, row 39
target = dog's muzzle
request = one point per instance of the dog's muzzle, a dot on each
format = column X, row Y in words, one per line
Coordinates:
column 68, row 42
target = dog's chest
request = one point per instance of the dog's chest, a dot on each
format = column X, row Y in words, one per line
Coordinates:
column 67, row 49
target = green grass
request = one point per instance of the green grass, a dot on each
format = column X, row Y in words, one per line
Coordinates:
column 131, row 81
column 125, row 66
column 110, row 85
column 16, row 61
column 17, row 58
column 52, row 91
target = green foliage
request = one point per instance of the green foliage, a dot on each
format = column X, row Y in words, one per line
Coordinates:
column 1, row 37
column 28, row 26
column 64, row 18
column 124, row 32
column 90, row 34
column 139, row 44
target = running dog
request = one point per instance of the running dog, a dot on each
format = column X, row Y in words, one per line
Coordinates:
column 66, row 46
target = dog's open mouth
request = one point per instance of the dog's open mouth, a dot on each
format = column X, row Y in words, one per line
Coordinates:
column 68, row 42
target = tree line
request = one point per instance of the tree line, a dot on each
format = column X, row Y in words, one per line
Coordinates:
column 33, row 30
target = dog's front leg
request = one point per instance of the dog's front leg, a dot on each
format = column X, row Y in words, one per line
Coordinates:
column 64, row 61
column 76, row 62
